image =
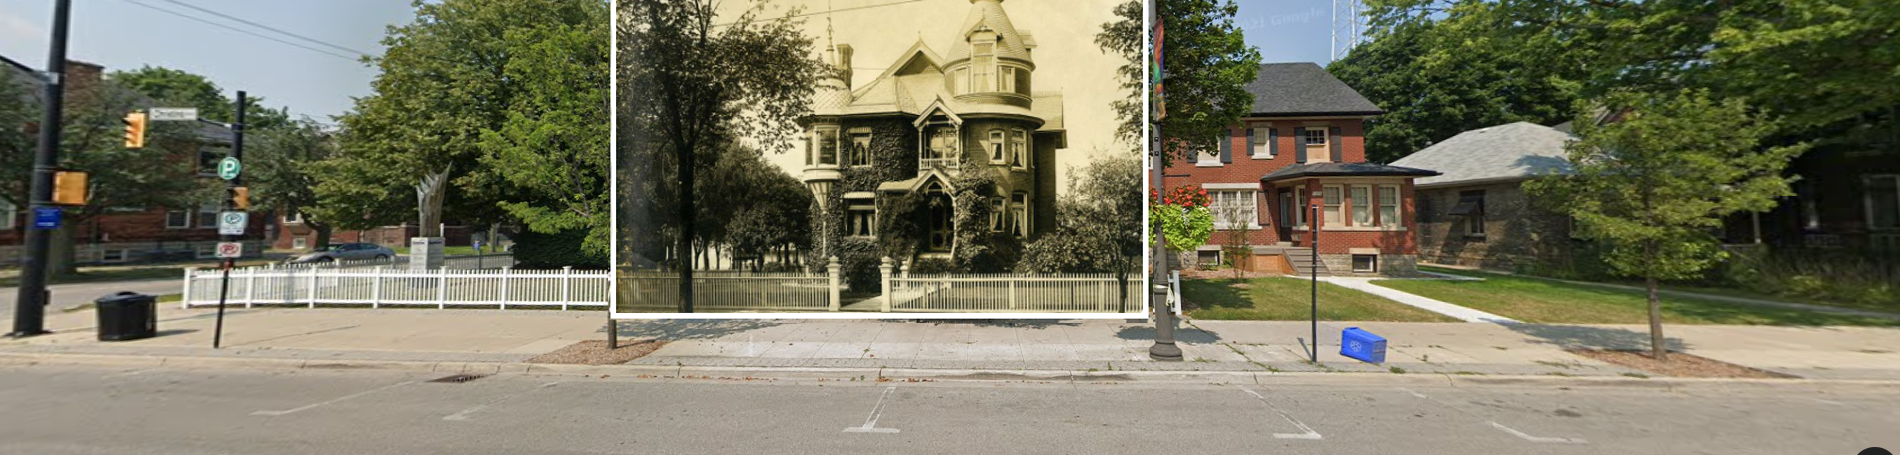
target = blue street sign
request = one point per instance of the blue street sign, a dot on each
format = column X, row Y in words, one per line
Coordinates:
column 47, row 217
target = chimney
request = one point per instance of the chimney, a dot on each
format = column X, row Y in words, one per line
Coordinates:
column 82, row 82
column 844, row 63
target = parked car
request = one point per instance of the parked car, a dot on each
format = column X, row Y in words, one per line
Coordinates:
column 346, row 252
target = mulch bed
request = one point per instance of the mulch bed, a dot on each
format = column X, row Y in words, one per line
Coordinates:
column 595, row 352
column 1679, row 365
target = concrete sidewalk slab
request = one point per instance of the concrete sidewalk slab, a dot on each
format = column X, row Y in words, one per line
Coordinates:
column 1436, row 306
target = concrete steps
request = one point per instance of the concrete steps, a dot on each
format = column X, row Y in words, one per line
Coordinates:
column 1303, row 264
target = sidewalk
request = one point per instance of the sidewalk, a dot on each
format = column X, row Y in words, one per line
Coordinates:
column 343, row 337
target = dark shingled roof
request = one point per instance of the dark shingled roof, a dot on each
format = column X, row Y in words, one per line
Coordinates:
column 1344, row 170
column 1305, row 89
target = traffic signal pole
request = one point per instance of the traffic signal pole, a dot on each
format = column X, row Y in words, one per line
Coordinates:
column 29, row 310
column 233, row 201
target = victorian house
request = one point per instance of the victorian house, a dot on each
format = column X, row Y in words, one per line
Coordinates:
column 924, row 122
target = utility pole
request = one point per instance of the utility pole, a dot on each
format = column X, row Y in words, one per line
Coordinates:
column 29, row 310
column 1164, row 348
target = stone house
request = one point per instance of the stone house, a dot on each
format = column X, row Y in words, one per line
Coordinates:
column 1476, row 212
column 1304, row 146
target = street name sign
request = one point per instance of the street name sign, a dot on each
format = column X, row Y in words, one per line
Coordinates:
column 230, row 250
column 228, row 168
column 233, row 223
column 172, row 114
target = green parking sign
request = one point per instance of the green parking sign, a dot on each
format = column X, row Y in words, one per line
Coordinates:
column 228, row 168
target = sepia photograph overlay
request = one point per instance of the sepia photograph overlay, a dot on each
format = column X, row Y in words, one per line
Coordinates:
column 876, row 159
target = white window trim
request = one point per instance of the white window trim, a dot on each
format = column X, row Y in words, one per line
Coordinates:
column 1018, row 151
column 1355, row 204
column 299, row 243
column 1263, row 149
column 854, row 206
column 1331, row 219
column 999, row 211
column 210, row 208
column 1398, row 208
column 1006, row 75
column 1325, row 137
column 1020, row 211
column 1300, row 202
column 1248, row 198
column 998, row 146
column 1867, row 201
column 991, row 55
column 9, row 215
column 186, row 225
column 293, row 217
column 837, row 146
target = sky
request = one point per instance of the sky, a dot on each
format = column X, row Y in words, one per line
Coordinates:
column 1067, row 58
column 1288, row 30
column 128, row 34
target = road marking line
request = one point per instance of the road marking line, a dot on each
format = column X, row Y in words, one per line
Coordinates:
column 1530, row 438
column 870, row 423
column 345, row 397
column 1416, row 394
column 1306, row 432
column 462, row 416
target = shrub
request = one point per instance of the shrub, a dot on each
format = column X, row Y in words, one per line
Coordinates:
column 1846, row 276
column 534, row 250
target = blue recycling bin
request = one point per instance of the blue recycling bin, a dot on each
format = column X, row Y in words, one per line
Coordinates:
column 1362, row 345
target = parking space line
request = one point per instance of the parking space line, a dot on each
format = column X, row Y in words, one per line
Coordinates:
column 870, row 423
column 345, row 397
column 1499, row 426
column 1307, row 432
column 1530, row 438
column 463, row 416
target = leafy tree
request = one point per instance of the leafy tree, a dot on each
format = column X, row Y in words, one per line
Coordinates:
column 552, row 146
column 1654, row 185
column 1434, row 82
column 711, row 80
column 1237, row 241
column 448, row 78
column 17, row 141
column 1098, row 226
column 1208, row 66
column 185, row 89
column 279, row 171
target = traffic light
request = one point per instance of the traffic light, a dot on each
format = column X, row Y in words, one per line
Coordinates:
column 240, row 198
column 69, row 188
column 135, row 130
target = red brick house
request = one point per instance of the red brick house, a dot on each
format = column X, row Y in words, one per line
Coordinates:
column 122, row 234
column 1304, row 146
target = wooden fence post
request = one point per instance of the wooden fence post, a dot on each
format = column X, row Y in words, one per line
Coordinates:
column 837, row 291
column 884, row 270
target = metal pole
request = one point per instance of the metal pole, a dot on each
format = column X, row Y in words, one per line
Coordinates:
column 1164, row 348
column 1314, row 231
column 237, row 153
column 29, row 310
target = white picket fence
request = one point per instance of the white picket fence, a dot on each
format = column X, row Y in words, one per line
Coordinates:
column 729, row 291
column 378, row 286
column 967, row 293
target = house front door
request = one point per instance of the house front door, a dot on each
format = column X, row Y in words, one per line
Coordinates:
column 1286, row 215
column 942, row 223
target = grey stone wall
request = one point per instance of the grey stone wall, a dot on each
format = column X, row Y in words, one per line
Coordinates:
column 1517, row 233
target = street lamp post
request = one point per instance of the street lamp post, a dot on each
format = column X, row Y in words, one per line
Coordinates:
column 29, row 310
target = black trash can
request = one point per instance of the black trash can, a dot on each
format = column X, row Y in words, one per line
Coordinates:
column 127, row 316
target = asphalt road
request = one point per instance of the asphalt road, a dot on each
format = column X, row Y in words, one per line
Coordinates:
column 74, row 410
column 67, row 295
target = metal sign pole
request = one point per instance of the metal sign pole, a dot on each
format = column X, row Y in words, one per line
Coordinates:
column 29, row 310
column 231, row 184
column 1314, row 231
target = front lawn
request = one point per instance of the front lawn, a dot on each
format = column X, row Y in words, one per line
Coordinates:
column 1555, row 302
column 1288, row 299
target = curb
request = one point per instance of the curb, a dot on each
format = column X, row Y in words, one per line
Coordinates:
column 896, row 375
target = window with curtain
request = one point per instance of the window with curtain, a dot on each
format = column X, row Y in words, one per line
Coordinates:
column 982, row 67
column 1389, row 206
column 828, row 146
column 1018, row 142
column 1261, row 146
column 1020, row 210
column 861, row 148
column 1361, row 205
column 1233, row 208
column 1006, row 80
column 996, row 214
column 997, row 153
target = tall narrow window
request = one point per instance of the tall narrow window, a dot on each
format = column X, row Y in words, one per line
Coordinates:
column 828, row 146
column 1331, row 215
column 1006, row 81
column 1017, row 143
column 207, row 215
column 997, row 153
column 960, row 81
column 1262, row 148
column 982, row 67
column 1883, row 201
column 1020, row 208
column 861, row 147
column 996, row 214
column 1361, row 205
column 1389, row 206
column 1300, row 206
